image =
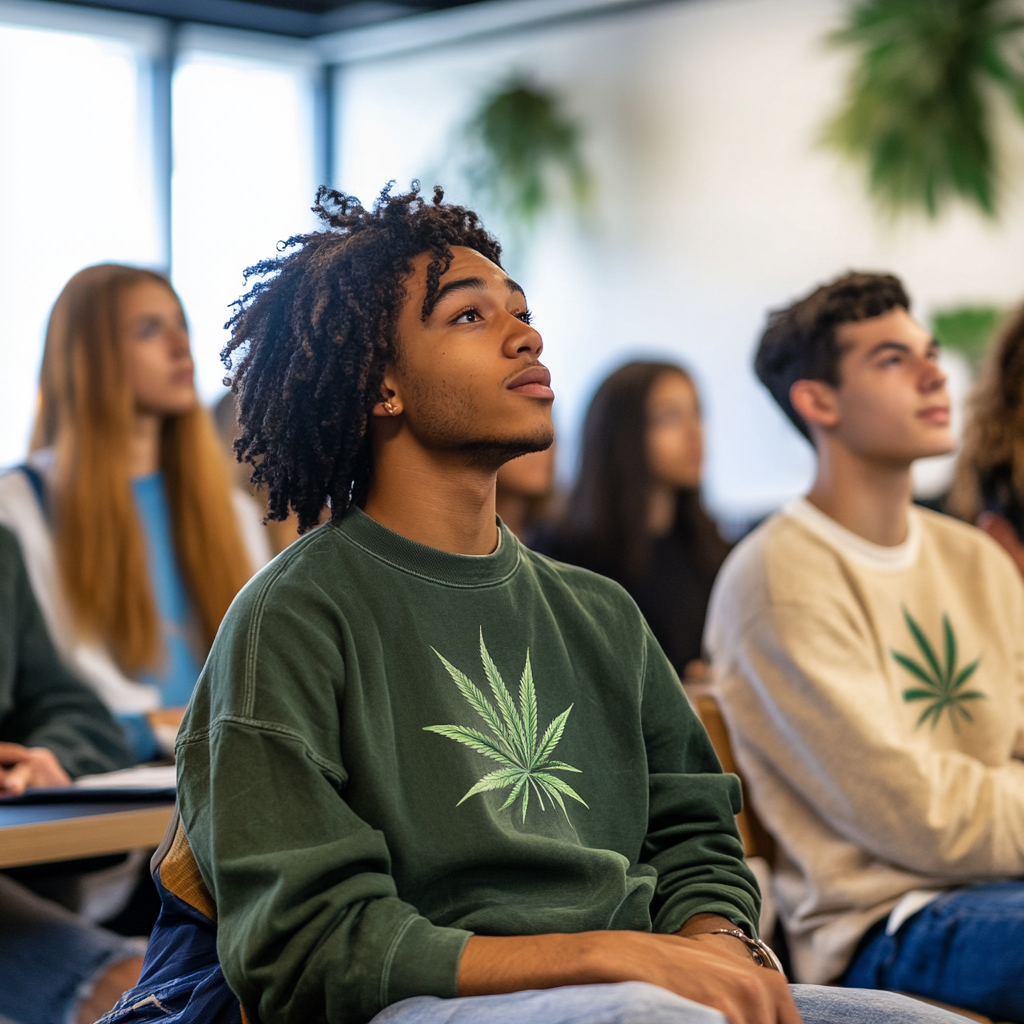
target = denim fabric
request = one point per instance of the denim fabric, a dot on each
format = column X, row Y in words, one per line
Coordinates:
column 50, row 957
column 181, row 982
column 629, row 1003
column 636, row 1003
column 966, row 948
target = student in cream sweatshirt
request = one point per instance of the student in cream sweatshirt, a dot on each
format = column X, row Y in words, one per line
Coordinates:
column 869, row 657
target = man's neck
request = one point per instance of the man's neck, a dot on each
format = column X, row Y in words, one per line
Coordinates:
column 870, row 498
column 513, row 507
column 661, row 510
column 436, row 501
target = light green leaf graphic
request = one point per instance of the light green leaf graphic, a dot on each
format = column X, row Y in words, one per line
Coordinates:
column 513, row 724
column 943, row 682
column 528, row 702
column 527, row 763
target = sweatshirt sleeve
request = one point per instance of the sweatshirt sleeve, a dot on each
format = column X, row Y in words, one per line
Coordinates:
column 692, row 838
column 310, row 926
column 48, row 705
column 940, row 812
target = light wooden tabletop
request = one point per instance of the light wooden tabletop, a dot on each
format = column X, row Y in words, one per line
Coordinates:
column 41, row 833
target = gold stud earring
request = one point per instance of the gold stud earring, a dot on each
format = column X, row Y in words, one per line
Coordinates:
column 389, row 408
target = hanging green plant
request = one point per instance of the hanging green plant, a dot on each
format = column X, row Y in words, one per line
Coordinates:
column 968, row 330
column 918, row 104
column 519, row 144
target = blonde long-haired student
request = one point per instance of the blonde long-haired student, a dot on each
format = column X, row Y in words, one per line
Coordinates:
column 135, row 540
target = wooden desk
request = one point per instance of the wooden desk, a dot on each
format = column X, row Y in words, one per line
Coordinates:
column 41, row 833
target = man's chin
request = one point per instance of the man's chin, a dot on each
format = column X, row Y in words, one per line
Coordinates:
column 494, row 453
column 935, row 447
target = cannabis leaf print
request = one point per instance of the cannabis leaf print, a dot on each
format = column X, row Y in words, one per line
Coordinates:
column 944, row 682
column 526, row 762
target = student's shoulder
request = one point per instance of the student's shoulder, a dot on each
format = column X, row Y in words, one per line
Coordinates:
column 10, row 549
column 965, row 544
column 777, row 560
column 307, row 570
column 17, row 493
column 11, row 562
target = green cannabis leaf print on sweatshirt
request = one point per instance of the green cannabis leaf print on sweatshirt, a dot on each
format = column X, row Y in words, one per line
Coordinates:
column 944, row 682
column 526, row 762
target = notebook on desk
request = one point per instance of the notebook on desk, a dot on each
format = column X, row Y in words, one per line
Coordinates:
column 144, row 784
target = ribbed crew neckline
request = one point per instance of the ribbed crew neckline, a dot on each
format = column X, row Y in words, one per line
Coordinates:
column 897, row 558
column 442, row 567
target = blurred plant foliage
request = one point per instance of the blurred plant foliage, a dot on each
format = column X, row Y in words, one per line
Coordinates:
column 918, row 106
column 522, row 154
column 968, row 330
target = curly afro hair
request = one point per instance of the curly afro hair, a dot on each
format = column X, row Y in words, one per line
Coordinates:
column 990, row 469
column 311, row 338
column 799, row 342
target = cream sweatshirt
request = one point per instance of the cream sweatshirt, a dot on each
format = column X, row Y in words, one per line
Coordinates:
column 875, row 700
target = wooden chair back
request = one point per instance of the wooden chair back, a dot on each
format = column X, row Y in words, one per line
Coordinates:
column 757, row 841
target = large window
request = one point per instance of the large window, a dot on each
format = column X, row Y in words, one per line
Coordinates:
column 79, row 182
column 243, row 180
column 75, row 188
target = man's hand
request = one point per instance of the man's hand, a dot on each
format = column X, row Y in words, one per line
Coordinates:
column 702, row 928
column 170, row 717
column 704, row 968
column 24, row 768
column 165, row 723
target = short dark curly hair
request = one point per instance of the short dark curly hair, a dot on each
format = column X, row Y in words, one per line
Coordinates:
column 799, row 342
column 311, row 338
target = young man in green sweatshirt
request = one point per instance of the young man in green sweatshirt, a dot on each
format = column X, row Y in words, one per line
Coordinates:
column 869, row 656
column 428, row 775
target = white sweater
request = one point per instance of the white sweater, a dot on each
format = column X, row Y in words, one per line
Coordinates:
column 20, row 512
column 879, row 759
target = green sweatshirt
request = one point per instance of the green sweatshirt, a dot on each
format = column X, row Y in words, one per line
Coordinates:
column 392, row 747
column 42, row 703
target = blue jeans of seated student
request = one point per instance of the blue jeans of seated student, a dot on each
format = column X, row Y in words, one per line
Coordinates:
column 634, row 1002
column 50, row 957
column 966, row 948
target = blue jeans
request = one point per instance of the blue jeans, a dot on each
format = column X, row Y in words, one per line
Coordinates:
column 634, row 1002
column 50, row 957
column 966, row 948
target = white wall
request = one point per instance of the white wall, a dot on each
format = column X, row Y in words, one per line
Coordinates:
column 714, row 202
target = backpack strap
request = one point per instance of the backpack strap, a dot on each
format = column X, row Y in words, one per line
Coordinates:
column 35, row 479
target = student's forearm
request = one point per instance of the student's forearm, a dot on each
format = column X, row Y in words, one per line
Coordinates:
column 713, row 970
column 491, row 964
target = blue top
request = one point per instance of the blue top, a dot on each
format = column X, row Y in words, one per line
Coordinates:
column 180, row 669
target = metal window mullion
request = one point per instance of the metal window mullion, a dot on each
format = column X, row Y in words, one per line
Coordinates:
column 164, row 61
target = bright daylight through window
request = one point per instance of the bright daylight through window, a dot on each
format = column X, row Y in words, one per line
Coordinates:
column 243, row 180
column 75, row 188
column 76, row 110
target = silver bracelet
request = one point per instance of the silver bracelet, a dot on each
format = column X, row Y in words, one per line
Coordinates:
column 760, row 952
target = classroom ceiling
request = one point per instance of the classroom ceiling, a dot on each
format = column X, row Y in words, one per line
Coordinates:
column 301, row 18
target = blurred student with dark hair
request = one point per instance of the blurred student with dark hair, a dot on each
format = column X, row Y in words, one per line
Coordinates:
column 988, row 489
column 869, row 658
column 55, row 967
column 134, row 541
column 635, row 513
column 523, row 492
